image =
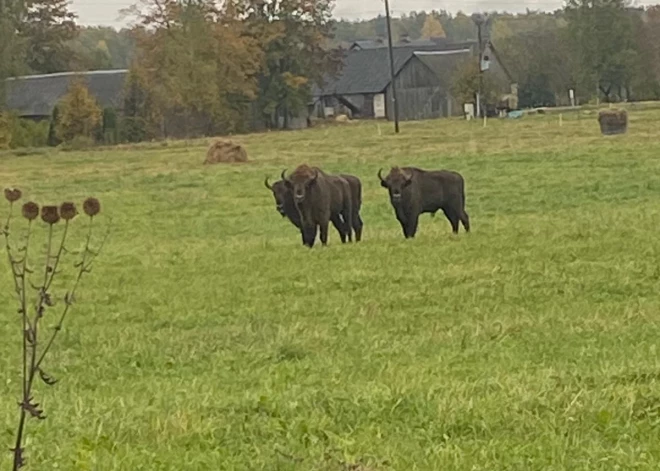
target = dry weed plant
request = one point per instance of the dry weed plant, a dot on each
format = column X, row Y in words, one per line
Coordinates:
column 33, row 290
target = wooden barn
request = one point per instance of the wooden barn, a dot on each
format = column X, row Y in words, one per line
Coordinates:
column 423, row 76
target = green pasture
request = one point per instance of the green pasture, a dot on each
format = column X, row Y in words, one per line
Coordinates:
column 208, row 338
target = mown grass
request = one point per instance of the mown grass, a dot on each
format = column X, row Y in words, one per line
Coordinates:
column 208, row 338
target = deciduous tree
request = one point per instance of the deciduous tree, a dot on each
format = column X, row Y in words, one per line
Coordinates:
column 295, row 36
column 79, row 113
column 47, row 26
column 433, row 28
column 602, row 35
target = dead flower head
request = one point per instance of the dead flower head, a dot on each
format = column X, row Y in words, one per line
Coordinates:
column 68, row 211
column 30, row 211
column 13, row 194
column 50, row 214
column 92, row 207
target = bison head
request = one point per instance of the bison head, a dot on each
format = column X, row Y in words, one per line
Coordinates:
column 300, row 181
column 280, row 193
column 396, row 182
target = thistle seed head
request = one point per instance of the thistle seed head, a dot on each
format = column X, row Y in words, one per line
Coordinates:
column 68, row 211
column 92, row 207
column 13, row 194
column 50, row 215
column 30, row 211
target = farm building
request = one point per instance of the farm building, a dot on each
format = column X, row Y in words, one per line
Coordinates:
column 424, row 77
column 35, row 96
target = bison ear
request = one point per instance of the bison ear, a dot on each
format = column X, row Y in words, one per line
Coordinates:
column 383, row 183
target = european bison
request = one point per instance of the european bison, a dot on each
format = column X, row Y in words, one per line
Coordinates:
column 287, row 208
column 414, row 191
column 320, row 198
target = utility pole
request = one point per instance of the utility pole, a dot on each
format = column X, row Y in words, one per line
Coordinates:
column 395, row 103
column 479, row 20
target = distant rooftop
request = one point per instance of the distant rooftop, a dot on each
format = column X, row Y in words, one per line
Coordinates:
column 406, row 42
column 37, row 95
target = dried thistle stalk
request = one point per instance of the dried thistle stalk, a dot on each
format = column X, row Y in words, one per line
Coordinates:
column 36, row 300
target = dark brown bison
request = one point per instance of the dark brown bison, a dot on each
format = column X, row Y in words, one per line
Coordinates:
column 320, row 198
column 414, row 191
column 286, row 206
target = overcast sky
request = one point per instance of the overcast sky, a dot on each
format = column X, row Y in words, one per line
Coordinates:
column 106, row 12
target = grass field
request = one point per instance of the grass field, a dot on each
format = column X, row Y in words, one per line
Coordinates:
column 208, row 338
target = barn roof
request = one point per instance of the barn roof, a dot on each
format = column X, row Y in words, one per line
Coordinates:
column 368, row 70
column 440, row 43
column 37, row 95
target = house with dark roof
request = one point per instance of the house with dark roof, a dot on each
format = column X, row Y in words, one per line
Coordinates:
column 424, row 75
column 35, row 96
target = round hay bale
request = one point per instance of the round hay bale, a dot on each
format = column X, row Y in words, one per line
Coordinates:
column 613, row 122
column 342, row 118
column 225, row 152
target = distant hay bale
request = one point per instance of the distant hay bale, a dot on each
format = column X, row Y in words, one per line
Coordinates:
column 342, row 118
column 225, row 152
column 613, row 122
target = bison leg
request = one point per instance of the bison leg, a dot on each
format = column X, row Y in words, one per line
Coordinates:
column 453, row 218
column 309, row 236
column 412, row 227
column 465, row 219
column 339, row 225
column 347, row 214
column 324, row 232
column 357, row 227
column 404, row 226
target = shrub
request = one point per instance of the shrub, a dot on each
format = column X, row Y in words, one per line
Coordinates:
column 132, row 129
column 53, row 140
column 28, row 133
column 110, row 131
column 79, row 114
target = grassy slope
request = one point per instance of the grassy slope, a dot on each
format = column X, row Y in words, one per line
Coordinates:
column 208, row 338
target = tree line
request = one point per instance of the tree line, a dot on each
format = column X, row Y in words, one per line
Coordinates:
column 200, row 67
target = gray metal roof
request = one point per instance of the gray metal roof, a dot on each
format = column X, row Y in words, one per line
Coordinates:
column 368, row 70
column 37, row 95
column 440, row 43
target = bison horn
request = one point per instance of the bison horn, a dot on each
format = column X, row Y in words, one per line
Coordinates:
column 380, row 175
column 283, row 175
column 268, row 185
column 316, row 175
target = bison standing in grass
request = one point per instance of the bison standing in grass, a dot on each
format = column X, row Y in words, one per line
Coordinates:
column 414, row 191
column 320, row 198
column 286, row 206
